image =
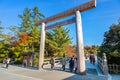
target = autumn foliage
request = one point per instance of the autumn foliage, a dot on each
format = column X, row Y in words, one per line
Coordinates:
column 22, row 38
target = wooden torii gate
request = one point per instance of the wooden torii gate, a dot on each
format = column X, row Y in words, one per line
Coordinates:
column 77, row 19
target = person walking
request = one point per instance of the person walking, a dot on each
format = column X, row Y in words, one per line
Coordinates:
column 90, row 58
column 76, row 64
column 4, row 62
column 25, row 62
column 93, row 60
column 7, row 62
column 63, row 63
column 52, row 62
column 71, row 64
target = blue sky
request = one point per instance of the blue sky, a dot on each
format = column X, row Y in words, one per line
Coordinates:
column 95, row 21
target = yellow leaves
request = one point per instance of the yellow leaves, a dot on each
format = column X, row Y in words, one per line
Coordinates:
column 12, row 48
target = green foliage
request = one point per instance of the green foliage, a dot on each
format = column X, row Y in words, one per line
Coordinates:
column 28, row 34
column 91, row 49
column 5, row 43
column 24, row 38
column 28, row 18
column 1, row 28
column 57, row 41
column 111, row 43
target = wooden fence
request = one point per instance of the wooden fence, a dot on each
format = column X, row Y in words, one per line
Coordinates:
column 102, row 63
column 113, row 68
column 47, row 61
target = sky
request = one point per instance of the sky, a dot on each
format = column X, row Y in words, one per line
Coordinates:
column 95, row 21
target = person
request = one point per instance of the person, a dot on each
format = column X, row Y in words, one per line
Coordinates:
column 4, row 62
column 93, row 60
column 52, row 62
column 90, row 58
column 63, row 63
column 75, row 64
column 24, row 62
column 15, row 61
column 71, row 64
column 7, row 62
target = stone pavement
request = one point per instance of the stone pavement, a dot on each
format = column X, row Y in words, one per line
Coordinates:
column 115, row 76
column 20, row 73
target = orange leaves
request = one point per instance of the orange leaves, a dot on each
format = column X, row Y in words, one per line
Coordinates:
column 22, row 38
column 70, row 51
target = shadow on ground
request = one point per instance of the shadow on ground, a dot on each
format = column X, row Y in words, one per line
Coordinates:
column 27, row 67
column 85, row 77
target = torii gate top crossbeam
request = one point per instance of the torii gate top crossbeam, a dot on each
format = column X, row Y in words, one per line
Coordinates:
column 81, row 8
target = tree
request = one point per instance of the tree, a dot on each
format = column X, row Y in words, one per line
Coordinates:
column 71, row 50
column 1, row 27
column 57, row 41
column 5, row 43
column 27, row 34
column 26, row 22
column 91, row 49
column 28, row 17
column 111, row 42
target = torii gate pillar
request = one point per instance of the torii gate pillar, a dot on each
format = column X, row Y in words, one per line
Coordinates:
column 80, row 47
column 42, row 46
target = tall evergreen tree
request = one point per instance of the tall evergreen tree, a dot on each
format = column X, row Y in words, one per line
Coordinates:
column 57, row 41
column 28, row 35
column 111, row 43
column 28, row 17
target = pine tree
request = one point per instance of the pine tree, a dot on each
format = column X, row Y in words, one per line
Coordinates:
column 57, row 41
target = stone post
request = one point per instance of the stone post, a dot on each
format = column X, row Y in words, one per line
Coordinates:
column 80, row 46
column 42, row 45
column 105, row 66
